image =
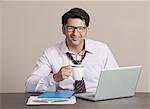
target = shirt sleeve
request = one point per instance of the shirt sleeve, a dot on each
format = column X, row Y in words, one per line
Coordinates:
column 40, row 78
column 110, row 61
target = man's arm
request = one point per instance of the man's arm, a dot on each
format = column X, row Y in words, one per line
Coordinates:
column 42, row 75
column 39, row 75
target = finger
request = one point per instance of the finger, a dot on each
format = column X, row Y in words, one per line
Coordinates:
column 68, row 67
column 67, row 70
column 66, row 73
column 66, row 76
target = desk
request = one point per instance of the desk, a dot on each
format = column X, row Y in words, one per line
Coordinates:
column 18, row 101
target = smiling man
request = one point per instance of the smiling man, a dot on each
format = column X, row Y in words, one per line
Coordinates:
column 55, row 65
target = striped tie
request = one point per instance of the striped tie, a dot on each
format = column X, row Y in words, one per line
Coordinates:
column 79, row 86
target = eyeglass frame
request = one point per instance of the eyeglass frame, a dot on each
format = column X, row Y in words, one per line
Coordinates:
column 74, row 28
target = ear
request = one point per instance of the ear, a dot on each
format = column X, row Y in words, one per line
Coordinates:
column 87, row 29
column 63, row 29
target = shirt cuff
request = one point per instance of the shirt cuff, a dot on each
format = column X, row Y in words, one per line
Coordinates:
column 51, row 80
column 44, row 83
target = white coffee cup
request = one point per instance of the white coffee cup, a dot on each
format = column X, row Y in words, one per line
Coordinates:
column 77, row 72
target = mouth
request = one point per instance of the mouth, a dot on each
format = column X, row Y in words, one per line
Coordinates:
column 75, row 38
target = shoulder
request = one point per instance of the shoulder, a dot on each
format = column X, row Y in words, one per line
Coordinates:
column 93, row 44
column 55, row 49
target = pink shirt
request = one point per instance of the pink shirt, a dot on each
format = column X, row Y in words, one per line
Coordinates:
column 98, row 57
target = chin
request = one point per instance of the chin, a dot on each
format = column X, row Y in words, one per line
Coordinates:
column 76, row 43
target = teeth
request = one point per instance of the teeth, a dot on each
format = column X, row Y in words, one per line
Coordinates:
column 75, row 39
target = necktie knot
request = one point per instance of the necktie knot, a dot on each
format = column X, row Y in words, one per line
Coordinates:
column 77, row 62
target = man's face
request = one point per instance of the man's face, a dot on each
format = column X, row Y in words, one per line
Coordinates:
column 75, row 31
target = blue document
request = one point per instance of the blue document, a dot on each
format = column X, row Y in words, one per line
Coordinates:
column 57, row 94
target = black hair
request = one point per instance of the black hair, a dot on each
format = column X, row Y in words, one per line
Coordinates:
column 76, row 13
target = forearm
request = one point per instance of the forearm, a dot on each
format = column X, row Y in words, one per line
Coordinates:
column 37, row 83
column 31, row 83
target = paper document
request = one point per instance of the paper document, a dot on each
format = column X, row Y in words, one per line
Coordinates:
column 34, row 100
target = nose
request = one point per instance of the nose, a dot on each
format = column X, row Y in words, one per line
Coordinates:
column 75, row 32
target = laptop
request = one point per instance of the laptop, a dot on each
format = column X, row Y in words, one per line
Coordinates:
column 115, row 83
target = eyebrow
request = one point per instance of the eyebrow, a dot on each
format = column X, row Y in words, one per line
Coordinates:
column 75, row 26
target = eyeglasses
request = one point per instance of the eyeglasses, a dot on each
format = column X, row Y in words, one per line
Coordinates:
column 72, row 28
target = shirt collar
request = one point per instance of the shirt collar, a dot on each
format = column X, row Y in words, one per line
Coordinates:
column 88, row 46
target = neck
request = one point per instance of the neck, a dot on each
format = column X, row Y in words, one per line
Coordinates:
column 76, row 49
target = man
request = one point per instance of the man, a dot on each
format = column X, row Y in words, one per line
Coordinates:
column 54, row 66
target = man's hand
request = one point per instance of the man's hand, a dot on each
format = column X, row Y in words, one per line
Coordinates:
column 63, row 73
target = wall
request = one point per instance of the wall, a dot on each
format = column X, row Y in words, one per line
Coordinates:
column 30, row 27
column 0, row 47
column 148, row 77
